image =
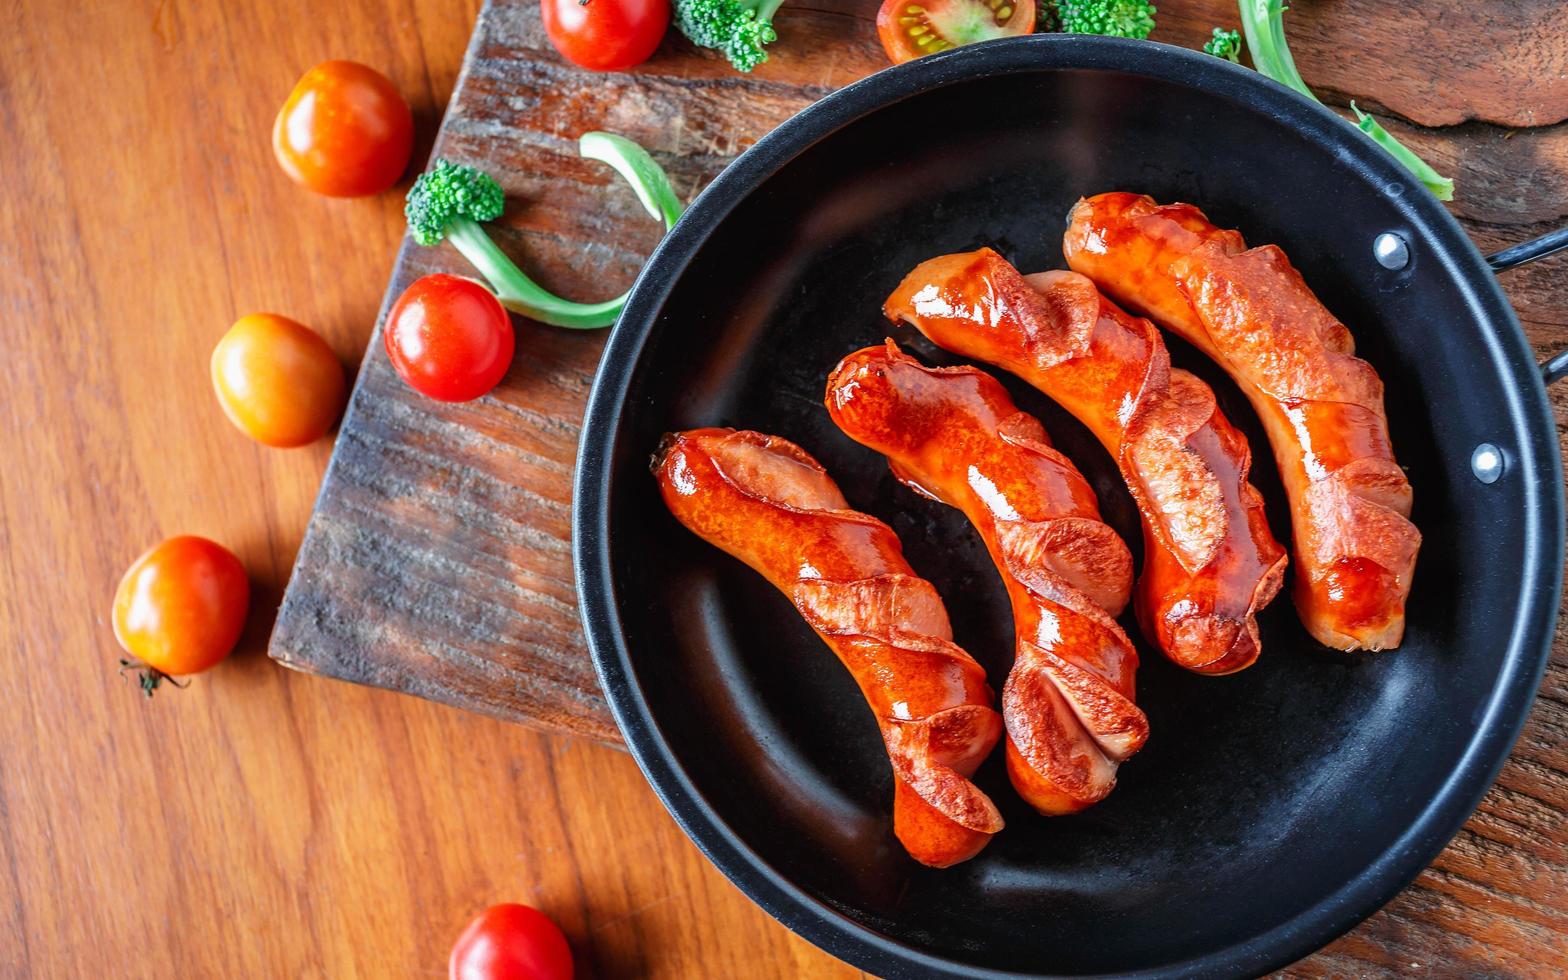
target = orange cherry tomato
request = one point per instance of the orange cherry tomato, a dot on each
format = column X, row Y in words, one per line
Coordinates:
column 277, row 381
column 511, row 942
column 911, row 28
column 344, row 131
column 180, row 608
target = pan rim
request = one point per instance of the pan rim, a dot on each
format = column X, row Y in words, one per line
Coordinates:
column 1523, row 661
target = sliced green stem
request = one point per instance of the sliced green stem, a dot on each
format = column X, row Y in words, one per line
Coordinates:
column 505, row 278
column 520, row 294
column 767, row 8
column 642, row 171
column 1263, row 23
column 1441, row 187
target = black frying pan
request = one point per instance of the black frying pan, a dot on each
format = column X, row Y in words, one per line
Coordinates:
column 1272, row 809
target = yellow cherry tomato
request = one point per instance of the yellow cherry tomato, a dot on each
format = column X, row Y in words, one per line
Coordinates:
column 277, row 381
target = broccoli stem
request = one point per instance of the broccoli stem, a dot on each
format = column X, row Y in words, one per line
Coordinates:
column 519, row 293
column 1441, row 187
column 1264, row 27
column 445, row 202
column 641, row 171
column 1263, row 23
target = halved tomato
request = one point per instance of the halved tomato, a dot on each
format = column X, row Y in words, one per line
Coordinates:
column 911, row 28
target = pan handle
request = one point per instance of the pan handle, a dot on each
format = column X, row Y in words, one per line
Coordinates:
column 1555, row 367
column 1524, row 252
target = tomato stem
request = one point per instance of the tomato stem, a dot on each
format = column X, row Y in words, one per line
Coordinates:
column 148, row 677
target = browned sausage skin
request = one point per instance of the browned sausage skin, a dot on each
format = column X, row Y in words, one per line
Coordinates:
column 956, row 436
column 1210, row 560
column 1322, row 406
column 768, row 503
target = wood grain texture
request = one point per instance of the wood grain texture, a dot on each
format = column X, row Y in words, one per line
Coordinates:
column 266, row 823
column 262, row 824
column 1436, row 64
column 457, row 518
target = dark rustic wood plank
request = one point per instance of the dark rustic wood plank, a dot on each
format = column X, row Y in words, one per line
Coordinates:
column 1436, row 64
column 437, row 562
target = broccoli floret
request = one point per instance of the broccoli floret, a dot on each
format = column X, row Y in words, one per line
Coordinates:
column 1263, row 21
column 1113, row 18
column 1224, row 44
column 450, row 200
column 738, row 29
column 449, row 191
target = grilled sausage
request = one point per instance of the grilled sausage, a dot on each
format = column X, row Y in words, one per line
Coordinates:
column 768, row 503
column 1210, row 560
column 1322, row 406
column 954, row 434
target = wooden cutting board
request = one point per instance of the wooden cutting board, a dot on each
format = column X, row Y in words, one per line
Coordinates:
column 438, row 559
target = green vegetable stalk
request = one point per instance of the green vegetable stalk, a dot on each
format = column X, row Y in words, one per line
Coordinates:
column 451, row 200
column 1263, row 21
column 738, row 29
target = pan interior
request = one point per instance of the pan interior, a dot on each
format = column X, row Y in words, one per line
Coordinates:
column 1259, row 794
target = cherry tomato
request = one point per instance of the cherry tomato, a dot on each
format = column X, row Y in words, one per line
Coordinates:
column 511, row 942
column 344, row 131
column 911, row 28
column 449, row 338
column 606, row 35
column 180, row 608
column 277, row 381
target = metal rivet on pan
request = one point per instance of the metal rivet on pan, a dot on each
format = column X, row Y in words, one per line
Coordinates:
column 1487, row 463
column 1391, row 251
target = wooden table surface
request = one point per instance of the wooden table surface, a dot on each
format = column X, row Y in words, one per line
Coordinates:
column 270, row 824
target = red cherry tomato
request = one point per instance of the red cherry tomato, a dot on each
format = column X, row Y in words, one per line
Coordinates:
column 180, row 608
column 511, row 942
column 605, row 35
column 449, row 338
column 344, row 131
column 911, row 28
